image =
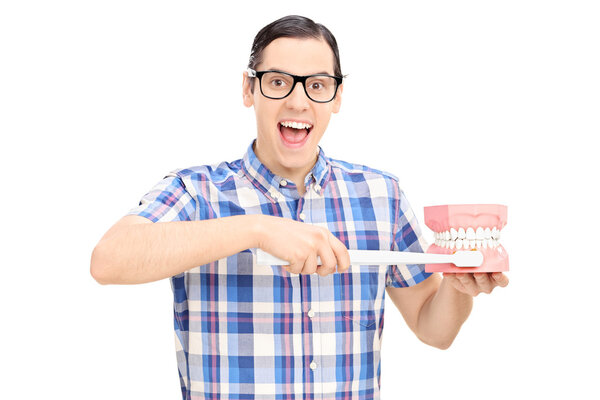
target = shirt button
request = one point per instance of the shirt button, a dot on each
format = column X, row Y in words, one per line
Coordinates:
column 313, row 365
column 311, row 313
column 317, row 188
column 302, row 216
column 283, row 182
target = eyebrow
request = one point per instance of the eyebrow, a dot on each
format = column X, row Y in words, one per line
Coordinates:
column 283, row 70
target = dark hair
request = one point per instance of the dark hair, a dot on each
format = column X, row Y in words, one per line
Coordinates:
column 292, row 26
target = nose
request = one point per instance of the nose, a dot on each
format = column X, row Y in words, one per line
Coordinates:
column 298, row 99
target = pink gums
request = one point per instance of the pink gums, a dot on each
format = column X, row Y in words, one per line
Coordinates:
column 442, row 218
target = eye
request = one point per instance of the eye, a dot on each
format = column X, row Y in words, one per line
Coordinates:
column 316, row 86
column 277, row 82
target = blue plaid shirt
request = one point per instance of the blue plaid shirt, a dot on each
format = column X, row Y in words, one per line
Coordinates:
column 245, row 331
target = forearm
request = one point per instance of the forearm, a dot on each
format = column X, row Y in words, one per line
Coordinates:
column 442, row 315
column 152, row 251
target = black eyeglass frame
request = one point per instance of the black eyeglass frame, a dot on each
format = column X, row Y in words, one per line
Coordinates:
column 297, row 78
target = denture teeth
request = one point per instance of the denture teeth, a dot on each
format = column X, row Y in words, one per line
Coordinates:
column 470, row 233
column 479, row 233
column 453, row 234
column 471, row 238
column 495, row 233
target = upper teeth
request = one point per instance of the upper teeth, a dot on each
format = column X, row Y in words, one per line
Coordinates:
column 469, row 238
column 296, row 125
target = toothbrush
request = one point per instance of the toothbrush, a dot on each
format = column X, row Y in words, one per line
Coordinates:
column 461, row 258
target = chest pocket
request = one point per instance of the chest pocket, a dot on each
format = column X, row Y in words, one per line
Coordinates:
column 360, row 287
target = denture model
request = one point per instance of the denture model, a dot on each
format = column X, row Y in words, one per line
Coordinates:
column 474, row 227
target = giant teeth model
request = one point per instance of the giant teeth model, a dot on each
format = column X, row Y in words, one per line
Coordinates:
column 468, row 227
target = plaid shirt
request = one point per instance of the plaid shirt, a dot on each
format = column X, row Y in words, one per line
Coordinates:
column 245, row 331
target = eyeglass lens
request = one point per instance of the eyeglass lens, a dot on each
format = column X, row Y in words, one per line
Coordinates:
column 277, row 85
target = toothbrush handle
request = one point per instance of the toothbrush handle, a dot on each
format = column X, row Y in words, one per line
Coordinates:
column 379, row 257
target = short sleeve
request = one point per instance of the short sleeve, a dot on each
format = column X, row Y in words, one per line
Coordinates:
column 167, row 201
column 407, row 237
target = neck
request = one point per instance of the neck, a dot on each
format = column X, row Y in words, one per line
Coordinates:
column 290, row 175
column 295, row 175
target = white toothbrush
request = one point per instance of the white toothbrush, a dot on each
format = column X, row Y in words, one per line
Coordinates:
column 462, row 258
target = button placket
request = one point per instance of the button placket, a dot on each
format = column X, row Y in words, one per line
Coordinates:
column 315, row 323
column 275, row 194
column 302, row 204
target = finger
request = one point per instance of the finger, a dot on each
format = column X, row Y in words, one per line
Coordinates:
column 500, row 279
column 328, row 261
column 310, row 265
column 467, row 280
column 484, row 283
column 341, row 253
column 296, row 266
column 453, row 280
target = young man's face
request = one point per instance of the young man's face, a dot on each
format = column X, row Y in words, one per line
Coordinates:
column 287, row 151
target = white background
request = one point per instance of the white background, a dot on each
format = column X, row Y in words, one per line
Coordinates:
column 465, row 101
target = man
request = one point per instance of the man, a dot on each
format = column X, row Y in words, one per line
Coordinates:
column 265, row 332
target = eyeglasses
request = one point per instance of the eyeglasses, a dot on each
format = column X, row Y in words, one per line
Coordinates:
column 320, row 88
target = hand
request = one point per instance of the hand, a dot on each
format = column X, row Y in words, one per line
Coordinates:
column 300, row 244
column 475, row 283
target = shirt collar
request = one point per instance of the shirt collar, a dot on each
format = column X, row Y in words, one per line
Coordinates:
column 263, row 178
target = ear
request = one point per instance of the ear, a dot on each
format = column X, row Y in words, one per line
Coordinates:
column 247, row 95
column 337, row 102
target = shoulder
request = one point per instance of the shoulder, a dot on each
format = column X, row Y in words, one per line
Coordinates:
column 356, row 172
column 218, row 173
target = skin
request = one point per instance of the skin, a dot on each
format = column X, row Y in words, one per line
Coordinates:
column 436, row 308
column 290, row 55
column 135, row 250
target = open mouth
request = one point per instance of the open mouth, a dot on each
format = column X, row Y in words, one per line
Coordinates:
column 293, row 133
column 468, row 227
